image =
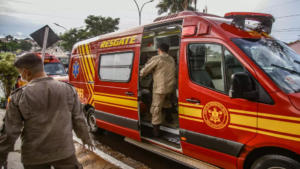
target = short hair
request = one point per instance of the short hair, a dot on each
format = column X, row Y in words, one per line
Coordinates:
column 164, row 47
column 31, row 62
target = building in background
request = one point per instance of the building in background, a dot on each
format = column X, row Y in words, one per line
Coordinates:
column 295, row 46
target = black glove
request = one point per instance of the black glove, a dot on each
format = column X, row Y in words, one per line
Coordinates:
column 3, row 165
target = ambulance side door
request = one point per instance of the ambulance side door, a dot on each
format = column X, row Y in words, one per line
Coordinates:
column 215, row 126
column 115, row 91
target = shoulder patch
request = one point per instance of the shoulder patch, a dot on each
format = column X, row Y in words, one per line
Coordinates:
column 17, row 90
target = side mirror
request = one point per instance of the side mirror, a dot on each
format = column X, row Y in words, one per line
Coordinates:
column 241, row 87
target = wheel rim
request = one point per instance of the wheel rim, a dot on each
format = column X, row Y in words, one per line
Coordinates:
column 276, row 168
column 92, row 122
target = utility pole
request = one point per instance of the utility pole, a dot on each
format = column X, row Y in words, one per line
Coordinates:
column 140, row 11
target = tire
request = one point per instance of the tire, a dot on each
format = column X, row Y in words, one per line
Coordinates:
column 91, row 120
column 275, row 162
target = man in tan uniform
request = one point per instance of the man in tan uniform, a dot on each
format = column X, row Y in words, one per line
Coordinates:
column 163, row 69
column 44, row 112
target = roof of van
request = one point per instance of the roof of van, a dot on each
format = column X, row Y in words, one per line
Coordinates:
column 139, row 29
column 220, row 22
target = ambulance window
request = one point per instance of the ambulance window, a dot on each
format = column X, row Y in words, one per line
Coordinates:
column 116, row 67
column 205, row 64
column 232, row 65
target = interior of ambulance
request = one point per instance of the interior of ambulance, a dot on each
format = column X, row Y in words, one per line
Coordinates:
column 205, row 67
column 169, row 33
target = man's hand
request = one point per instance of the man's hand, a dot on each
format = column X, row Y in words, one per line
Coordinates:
column 3, row 165
column 90, row 146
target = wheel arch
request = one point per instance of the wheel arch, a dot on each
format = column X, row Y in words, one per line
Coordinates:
column 268, row 150
column 86, row 108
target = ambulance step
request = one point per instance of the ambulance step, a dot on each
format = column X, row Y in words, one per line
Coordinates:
column 171, row 154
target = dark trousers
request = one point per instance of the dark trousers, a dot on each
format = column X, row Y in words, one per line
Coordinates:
column 67, row 163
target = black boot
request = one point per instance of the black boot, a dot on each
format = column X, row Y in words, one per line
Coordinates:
column 169, row 117
column 156, row 131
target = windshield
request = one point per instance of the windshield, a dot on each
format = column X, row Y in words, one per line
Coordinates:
column 54, row 69
column 276, row 59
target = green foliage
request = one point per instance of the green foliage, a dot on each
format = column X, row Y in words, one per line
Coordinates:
column 18, row 51
column 15, row 44
column 71, row 37
column 8, row 73
column 9, row 37
column 2, row 99
column 12, row 46
column 24, row 45
column 95, row 26
column 174, row 6
column 98, row 25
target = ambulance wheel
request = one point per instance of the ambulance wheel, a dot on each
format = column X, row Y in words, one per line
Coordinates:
column 91, row 119
column 275, row 162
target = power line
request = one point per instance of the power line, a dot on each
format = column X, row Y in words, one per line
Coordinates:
column 68, row 8
column 52, row 21
column 277, row 5
column 17, row 27
column 25, row 12
column 287, row 16
column 286, row 29
column 14, row 10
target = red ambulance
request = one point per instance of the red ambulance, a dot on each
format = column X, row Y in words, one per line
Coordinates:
column 236, row 103
column 53, row 68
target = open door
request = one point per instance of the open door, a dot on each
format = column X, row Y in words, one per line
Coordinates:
column 169, row 33
column 115, row 90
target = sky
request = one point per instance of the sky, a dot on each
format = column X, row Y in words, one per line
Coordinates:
column 22, row 17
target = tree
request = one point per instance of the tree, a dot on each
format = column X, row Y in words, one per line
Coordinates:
column 12, row 46
column 8, row 73
column 9, row 37
column 95, row 26
column 174, row 6
column 18, row 51
column 24, row 45
column 98, row 25
column 71, row 37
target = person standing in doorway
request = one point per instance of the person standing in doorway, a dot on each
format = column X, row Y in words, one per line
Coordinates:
column 163, row 70
column 44, row 112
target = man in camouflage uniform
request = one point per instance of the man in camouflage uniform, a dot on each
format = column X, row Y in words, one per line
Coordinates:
column 163, row 69
column 44, row 113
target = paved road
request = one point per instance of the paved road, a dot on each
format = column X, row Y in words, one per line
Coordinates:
column 14, row 158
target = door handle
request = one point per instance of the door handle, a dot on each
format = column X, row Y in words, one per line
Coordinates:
column 129, row 93
column 193, row 100
column 90, row 82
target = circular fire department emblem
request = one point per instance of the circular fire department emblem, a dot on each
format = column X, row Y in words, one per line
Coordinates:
column 215, row 115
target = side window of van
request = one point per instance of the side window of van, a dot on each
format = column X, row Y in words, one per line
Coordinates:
column 116, row 66
column 206, row 65
column 232, row 65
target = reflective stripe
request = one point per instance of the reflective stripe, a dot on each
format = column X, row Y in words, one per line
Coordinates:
column 124, row 102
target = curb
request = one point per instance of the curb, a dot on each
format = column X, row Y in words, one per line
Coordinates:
column 106, row 156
